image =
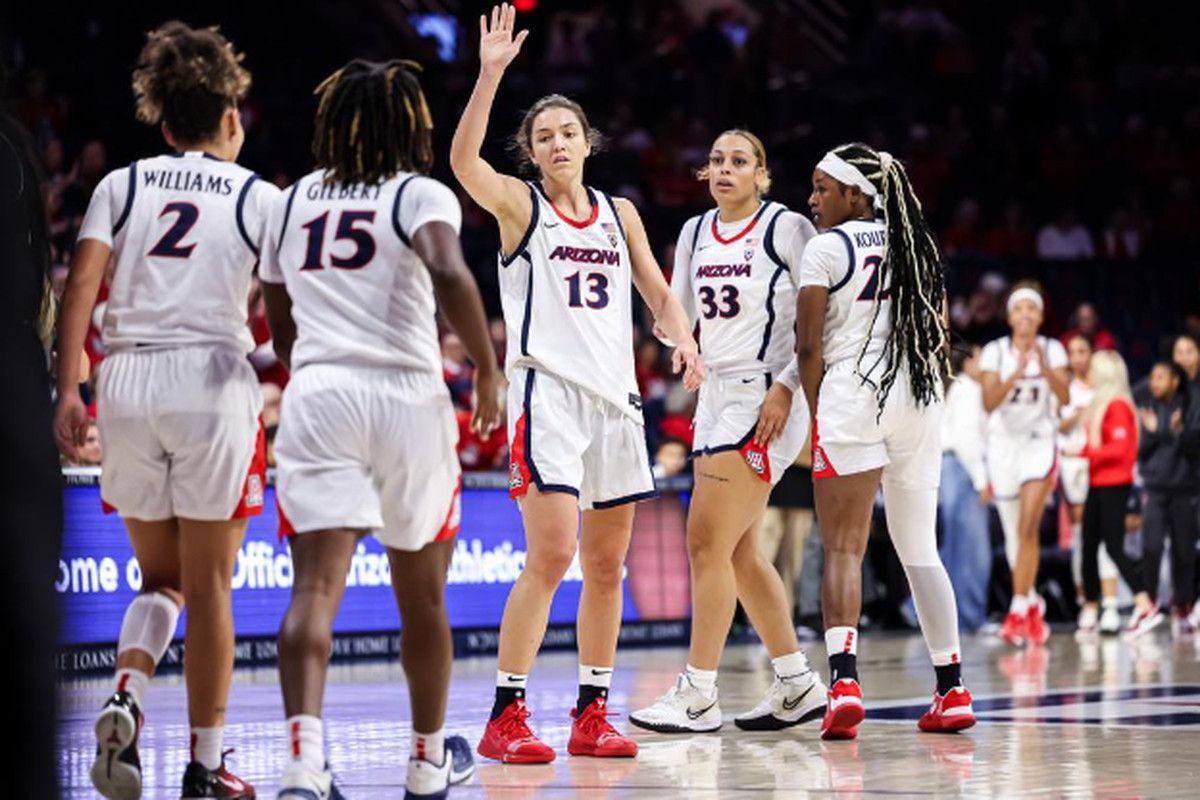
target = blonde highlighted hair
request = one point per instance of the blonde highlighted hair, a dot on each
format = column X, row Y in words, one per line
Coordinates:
column 1110, row 382
column 760, row 155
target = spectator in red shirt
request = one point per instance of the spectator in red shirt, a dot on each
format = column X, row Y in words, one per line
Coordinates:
column 1111, row 451
column 1085, row 322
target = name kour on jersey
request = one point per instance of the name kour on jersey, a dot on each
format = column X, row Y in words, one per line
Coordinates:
column 585, row 255
column 319, row 190
column 183, row 180
column 870, row 238
column 723, row 271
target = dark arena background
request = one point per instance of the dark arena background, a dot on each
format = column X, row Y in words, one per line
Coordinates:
column 1052, row 142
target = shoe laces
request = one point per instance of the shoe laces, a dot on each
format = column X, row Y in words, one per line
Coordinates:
column 594, row 721
column 512, row 723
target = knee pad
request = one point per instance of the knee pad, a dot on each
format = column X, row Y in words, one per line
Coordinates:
column 912, row 523
column 149, row 625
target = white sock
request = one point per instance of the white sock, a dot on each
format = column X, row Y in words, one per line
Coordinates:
column 509, row 680
column 703, row 679
column 306, row 740
column 133, row 681
column 595, row 676
column 1020, row 605
column 206, row 746
column 429, row 747
column 1109, row 602
column 1034, row 597
column 841, row 639
column 793, row 665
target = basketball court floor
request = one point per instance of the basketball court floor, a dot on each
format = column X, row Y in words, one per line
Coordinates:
column 1099, row 719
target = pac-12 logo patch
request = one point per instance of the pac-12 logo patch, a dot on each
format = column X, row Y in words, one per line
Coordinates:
column 254, row 491
column 515, row 481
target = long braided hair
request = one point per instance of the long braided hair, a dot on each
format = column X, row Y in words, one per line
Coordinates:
column 372, row 122
column 914, row 271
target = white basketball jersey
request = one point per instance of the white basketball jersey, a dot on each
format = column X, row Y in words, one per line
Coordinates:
column 846, row 260
column 1029, row 408
column 360, row 294
column 566, row 293
column 742, row 288
column 185, row 230
column 1080, row 397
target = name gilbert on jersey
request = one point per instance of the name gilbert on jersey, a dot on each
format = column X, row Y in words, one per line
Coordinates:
column 585, row 255
column 187, row 181
column 723, row 271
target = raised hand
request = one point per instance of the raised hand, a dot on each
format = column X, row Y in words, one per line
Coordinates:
column 497, row 45
column 1149, row 419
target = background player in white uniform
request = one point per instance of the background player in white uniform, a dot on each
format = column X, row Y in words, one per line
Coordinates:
column 178, row 402
column 1073, row 477
column 568, row 256
column 872, row 350
column 736, row 271
column 1024, row 379
column 355, row 253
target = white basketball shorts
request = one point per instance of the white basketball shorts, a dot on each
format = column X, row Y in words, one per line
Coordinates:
column 850, row 435
column 727, row 415
column 181, row 434
column 1013, row 460
column 1073, row 473
column 368, row 449
column 564, row 438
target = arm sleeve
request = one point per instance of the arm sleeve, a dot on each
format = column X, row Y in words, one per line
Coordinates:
column 105, row 207
column 681, row 271
column 269, row 269
column 824, row 262
column 426, row 200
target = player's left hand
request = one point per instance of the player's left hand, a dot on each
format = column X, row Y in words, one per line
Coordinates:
column 686, row 359
column 773, row 416
column 487, row 401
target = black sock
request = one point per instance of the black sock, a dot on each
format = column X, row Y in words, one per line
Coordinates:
column 842, row 665
column 505, row 697
column 586, row 695
column 948, row 677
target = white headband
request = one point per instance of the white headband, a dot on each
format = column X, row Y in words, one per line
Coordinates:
column 1025, row 293
column 843, row 171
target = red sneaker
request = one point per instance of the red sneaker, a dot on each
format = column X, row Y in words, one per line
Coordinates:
column 844, row 712
column 949, row 713
column 1014, row 630
column 592, row 735
column 1035, row 625
column 507, row 738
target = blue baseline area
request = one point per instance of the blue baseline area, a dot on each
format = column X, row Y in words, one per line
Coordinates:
column 98, row 575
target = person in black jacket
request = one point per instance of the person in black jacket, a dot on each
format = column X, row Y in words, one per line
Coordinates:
column 30, row 479
column 1169, row 462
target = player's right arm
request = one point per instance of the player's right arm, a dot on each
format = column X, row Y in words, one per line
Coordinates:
column 94, row 249
column 274, row 287
column 505, row 197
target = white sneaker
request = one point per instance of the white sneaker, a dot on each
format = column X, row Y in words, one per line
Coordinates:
column 800, row 698
column 1089, row 620
column 1110, row 620
column 428, row 780
column 1143, row 622
column 683, row 709
column 301, row 782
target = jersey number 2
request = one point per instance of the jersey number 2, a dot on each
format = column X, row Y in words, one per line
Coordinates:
column 169, row 245
column 364, row 243
column 868, row 293
column 597, row 290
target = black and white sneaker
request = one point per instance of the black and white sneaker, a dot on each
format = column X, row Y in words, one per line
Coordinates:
column 117, row 771
column 429, row 781
column 202, row 783
column 798, row 699
column 683, row 709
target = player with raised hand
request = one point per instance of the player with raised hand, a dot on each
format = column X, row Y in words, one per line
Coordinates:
column 1024, row 376
column 736, row 271
column 178, row 402
column 570, row 255
column 357, row 253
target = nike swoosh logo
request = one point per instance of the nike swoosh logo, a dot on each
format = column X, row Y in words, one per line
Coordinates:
column 747, row 380
column 549, row 224
column 602, row 672
column 695, row 715
column 792, row 705
column 235, row 785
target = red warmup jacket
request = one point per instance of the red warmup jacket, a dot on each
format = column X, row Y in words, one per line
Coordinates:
column 1111, row 460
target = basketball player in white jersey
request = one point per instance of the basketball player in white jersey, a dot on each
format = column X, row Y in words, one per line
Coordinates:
column 736, row 272
column 178, row 402
column 872, row 349
column 569, row 255
column 1073, row 478
column 355, row 253
column 1024, row 379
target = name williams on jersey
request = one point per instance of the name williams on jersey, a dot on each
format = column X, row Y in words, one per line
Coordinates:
column 184, row 180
